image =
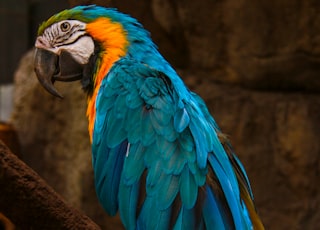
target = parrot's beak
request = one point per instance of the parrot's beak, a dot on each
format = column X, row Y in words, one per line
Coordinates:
column 50, row 67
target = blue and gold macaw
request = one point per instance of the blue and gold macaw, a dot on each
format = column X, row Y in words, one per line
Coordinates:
column 158, row 157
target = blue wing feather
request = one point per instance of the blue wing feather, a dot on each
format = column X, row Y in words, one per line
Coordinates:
column 106, row 181
column 228, row 189
column 128, row 203
column 167, row 190
column 172, row 140
column 134, row 165
column 188, row 188
column 152, row 218
column 211, row 205
column 181, row 120
column 186, row 220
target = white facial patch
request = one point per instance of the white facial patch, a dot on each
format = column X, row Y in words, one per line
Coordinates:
column 81, row 50
column 68, row 35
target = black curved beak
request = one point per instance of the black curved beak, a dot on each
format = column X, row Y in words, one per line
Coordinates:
column 50, row 67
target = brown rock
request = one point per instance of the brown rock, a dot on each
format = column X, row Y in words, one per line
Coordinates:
column 274, row 44
column 268, row 45
column 30, row 203
column 54, row 139
column 276, row 137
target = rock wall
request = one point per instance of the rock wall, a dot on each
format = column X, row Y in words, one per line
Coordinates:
column 256, row 64
column 54, row 139
column 276, row 137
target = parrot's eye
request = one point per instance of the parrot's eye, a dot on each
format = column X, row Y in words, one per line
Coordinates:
column 65, row 26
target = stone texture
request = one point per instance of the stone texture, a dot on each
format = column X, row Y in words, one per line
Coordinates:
column 30, row 203
column 268, row 45
column 276, row 137
column 54, row 139
column 274, row 44
column 256, row 64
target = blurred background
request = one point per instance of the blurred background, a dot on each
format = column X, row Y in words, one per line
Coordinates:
column 255, row 62
column 19, row 21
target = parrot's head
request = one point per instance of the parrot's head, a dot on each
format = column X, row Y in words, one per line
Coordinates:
column 81, row 43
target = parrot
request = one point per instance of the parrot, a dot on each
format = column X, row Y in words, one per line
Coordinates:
column 159, row 158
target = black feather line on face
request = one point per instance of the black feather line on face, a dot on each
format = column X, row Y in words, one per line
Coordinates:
column 61, row 40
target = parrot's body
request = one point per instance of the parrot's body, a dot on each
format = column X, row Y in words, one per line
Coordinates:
column 157, row 156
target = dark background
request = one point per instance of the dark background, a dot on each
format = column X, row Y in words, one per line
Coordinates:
column 19, row 20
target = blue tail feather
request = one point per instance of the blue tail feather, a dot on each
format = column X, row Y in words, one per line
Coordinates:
column 151, row 217
column 106, row 180
column 186, row 219
column 128, row 199
column 213, row 213
column 231, row 195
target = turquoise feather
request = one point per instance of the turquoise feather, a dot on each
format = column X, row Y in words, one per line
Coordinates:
column 106, row 182
column 212, row 205
column 232, row 197
column 128, row 203
column 171, row 185
column 186, row 220
column 134, row 164
column 188, row 189
column 181, row 120
column 152, row 218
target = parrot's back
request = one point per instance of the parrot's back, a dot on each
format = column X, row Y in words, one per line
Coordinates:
column 158, row 158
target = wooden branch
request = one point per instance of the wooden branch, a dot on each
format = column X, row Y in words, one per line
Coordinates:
column 30, row 203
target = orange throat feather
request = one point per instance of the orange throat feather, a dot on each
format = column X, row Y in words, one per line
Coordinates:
column 112, row 38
